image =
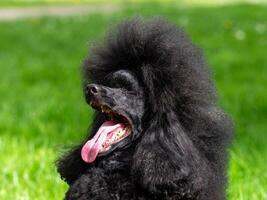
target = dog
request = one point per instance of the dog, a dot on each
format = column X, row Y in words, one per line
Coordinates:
column 157, row 133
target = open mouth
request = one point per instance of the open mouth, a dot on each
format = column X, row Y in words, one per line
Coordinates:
column 111, row 132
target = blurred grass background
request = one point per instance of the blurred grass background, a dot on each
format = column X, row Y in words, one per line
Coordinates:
column 42, row 109
column 73, row 2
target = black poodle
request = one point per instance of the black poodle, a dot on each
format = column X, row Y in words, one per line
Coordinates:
column 157, row 132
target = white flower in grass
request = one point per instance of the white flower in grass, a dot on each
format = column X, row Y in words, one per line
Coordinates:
column 240, row 35
column 183, row 21
column 260, row 28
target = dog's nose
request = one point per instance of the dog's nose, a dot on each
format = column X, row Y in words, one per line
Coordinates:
column 92, row 89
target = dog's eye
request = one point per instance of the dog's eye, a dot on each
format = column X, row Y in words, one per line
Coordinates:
column 122, row 83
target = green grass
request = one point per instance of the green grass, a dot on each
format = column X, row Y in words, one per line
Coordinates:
column 75, row 2
column 42, row 106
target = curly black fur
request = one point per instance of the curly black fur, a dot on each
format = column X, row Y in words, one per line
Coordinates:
column 158, row 78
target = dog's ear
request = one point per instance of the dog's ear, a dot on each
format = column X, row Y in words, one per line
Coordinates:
column 166, row 161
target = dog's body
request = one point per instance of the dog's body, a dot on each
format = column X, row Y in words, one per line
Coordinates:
column 155, row 82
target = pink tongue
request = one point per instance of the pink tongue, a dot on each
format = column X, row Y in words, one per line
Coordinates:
column 93, row 146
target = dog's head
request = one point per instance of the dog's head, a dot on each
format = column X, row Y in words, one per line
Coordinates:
column 143, row 73
column 120, row 99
